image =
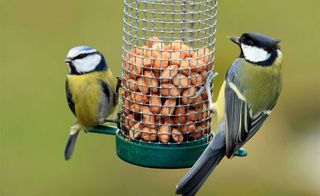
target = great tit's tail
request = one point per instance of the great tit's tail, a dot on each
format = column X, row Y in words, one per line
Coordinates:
column 75, row 130
column 210, row 158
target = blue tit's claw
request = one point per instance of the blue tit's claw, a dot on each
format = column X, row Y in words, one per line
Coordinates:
column 241, row 153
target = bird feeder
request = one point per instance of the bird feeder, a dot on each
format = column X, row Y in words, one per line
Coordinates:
column 168, row 54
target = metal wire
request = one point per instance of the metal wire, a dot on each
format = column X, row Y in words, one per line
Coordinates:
column 168, row 52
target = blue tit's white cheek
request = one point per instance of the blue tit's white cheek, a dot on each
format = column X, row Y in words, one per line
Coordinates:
column 254, row 54
column 69, row 68
column 87, row 64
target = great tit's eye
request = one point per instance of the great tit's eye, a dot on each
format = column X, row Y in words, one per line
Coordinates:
column 250, row 43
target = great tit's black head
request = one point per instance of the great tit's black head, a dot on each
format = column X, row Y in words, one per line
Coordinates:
column 84, row 59
column 258, row 48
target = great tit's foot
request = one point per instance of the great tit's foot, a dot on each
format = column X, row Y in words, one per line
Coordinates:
column 207, row 85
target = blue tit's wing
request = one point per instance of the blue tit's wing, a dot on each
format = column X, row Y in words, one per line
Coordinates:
column 104, row 108
column 242, row 124
column 70, row 99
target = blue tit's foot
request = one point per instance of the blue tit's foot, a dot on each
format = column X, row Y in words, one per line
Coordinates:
column 241, row 153
column 116, row 121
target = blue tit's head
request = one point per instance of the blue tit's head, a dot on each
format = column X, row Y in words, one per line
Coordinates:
column 84, row 59
column 258, row 49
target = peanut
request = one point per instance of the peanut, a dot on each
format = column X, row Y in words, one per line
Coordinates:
column 181, row 81
column 164, row 133
column 148, row 116
column 168, row 107
column 196, row 79
column 139, row 97
column 159, row 46
column 135, row 132
column 161, row 60
column 131, row 85
column 192, row 115
column 151, row 82
column 149, row 134
column 176, row 58
column 155, row 103
column 185, row 67
column 135, row 107
column 169, row 73
column 187, row 94
column 197, row 65
column 177, row 136
column 169, row 90
column 197, row 133
column 142, row 86
column 180, row 115
column 151, row 41
column 189, row 127
column 203, row 54
column 129, row 120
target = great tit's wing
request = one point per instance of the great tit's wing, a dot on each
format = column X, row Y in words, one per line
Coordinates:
column 242, row 124
column 70, row 98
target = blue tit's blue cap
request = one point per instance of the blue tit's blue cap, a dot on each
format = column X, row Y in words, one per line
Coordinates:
column 73, row 52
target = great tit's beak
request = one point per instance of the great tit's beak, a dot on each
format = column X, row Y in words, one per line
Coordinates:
column 234, row 39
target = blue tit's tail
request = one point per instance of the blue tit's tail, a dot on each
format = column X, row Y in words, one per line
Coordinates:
column 75, row 130
column 210, row 158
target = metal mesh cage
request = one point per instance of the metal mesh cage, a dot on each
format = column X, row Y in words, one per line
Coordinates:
column 168, row 52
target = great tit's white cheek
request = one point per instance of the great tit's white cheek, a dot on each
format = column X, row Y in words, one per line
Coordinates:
column 255, row 54
column 87, row 64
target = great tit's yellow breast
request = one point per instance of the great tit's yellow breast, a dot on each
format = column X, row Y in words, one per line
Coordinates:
column 86, row 92
column 219, row 107
column 261, row 85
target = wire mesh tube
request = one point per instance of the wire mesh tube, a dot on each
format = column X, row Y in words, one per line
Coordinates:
column 168, row 51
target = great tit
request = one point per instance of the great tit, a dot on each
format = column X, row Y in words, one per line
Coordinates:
column 90, row 89
column 249, row 93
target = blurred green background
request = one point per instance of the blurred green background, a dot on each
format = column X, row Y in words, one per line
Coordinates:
column 35, row 35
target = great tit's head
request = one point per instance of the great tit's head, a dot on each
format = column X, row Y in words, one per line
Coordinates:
column 258, row 48
column 84, row 59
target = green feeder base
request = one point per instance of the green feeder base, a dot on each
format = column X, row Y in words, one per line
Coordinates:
column 153, row 155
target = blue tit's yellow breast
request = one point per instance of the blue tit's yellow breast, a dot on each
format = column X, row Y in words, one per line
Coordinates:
column 86, row 92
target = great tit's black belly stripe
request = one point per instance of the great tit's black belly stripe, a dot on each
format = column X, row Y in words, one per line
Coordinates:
column 70, row 99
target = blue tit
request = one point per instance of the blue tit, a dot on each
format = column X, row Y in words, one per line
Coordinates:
column 249, row 93
column 90, row 89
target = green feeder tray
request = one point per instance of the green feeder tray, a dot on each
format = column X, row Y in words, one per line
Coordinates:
column 154, row 155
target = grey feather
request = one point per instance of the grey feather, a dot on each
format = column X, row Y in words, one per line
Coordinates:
column 210, row 158
column 70, row 145
column 241, row 123
column 106, row 101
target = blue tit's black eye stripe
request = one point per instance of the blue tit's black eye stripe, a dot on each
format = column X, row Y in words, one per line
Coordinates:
column 83, row 55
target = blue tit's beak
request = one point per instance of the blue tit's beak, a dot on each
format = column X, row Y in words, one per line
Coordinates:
column 235, row 39
column 68, row 60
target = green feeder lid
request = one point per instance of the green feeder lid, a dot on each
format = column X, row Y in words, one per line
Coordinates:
column 156, row 155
